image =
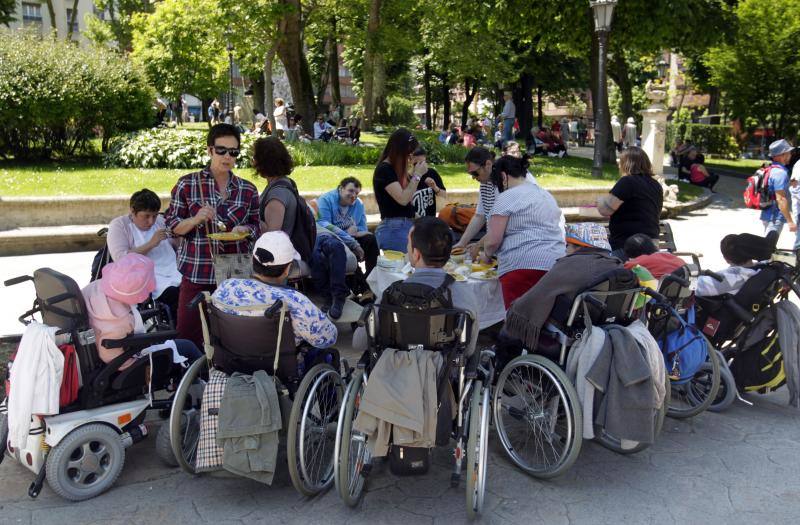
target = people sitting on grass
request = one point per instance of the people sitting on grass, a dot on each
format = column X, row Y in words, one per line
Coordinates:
column 273, row 255
column 111, row 304
column 342, row 208
column 144, row 231
column 692, row 167
column 210, row 200
column 428, row 245
column 342, row 133
column 322, row 130
column 354, row 132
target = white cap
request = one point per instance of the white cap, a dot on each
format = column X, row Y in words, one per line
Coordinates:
column 274, row 249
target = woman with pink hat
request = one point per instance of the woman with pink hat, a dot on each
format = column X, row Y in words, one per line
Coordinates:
column 111, row 304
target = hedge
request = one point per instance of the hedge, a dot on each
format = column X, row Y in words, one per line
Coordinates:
column 710, row 138
column 183, row 149
column 55, row 96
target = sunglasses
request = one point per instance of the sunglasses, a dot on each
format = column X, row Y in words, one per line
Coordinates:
column 474, row 174
column 222, row 150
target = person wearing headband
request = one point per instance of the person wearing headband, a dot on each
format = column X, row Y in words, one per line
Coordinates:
column 111, row 304
column 273, row 254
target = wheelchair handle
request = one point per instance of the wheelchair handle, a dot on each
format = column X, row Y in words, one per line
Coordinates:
column 17, row 280
column 270, row 312
column 713, row 275
column 362, row 319
column 655, row 295
column 102, row 232
column 197, row 300
column 674, row 278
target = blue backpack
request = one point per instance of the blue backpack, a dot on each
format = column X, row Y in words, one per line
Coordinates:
column 685, row 349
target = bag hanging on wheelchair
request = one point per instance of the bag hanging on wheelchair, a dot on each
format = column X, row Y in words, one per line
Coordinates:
column 685, row 349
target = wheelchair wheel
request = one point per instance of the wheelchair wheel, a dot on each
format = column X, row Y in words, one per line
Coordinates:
column 614, row 444
column 312, row 430
column 726, row 394
column 477, row 448
column 86, row 462
column 537, row 416
column 696, row 395
column 352, row 454
column 184, row 417
column 164, row 446
column 3, row 434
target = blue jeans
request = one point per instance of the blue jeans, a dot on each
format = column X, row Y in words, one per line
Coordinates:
column 392, row 233
column 508, row 130
column 774, row 225
column 329, row 267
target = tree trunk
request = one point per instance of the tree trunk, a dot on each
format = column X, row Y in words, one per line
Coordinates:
column 713, row 104
column 426, row 81
column 269, row 61
column 71, row 22
column 381, row 108
column 290, row 51
column 609, row 154
column 523, row 100
column 51, row 11
column 469, row 96
column 373, row 24
column 333, row 67
column 322, row 84
column 620, row 74
column 539, row 114
column 445, row 101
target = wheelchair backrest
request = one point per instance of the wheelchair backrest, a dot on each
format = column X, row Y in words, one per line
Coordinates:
column 666, row 240
column 609, row 300
column 60, row 300
column 675, row 291
column 436, row 329
column 245, row 344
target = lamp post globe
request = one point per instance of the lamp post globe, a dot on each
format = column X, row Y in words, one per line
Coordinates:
column 602, row 11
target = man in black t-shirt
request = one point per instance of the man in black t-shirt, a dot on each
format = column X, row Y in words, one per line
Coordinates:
column 429, row 188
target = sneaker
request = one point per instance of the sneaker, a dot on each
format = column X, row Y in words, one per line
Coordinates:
column 561, row 154
column 335, row 311
column 326, row 305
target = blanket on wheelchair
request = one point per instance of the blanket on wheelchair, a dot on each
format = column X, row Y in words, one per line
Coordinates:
column 209, row 453
column 400, row 400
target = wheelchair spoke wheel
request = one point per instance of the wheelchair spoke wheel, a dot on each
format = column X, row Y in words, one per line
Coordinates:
column 184, row 417
column 537, row 416
column 477, row 448
column 696, row 395
column 312, row 430
column 352, row 453
column 615, row 444
column 3, row 431
column 726, row 394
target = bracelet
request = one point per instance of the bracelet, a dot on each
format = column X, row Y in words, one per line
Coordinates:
column 415, row 178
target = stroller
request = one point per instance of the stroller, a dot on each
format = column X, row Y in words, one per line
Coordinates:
column 537, row 412
column 81, row 450
column 742, row 327
column 309, row 394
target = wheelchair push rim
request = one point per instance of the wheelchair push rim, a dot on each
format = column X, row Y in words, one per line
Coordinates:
column 312, row 430
column 696, row 395
column 184, row 423
column 477, row 448
column 352, row 452
column 537, row 416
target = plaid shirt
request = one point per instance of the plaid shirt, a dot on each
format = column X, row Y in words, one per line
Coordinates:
column 195, row 259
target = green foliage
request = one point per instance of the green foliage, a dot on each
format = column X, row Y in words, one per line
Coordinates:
column 117, row 30
column 54, row 96
column 401, row 112
column 710, row 138
column 7, row 9
column 181, row 48
column 757, row 70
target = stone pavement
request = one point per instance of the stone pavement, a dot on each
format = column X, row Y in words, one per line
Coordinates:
column 736, row 467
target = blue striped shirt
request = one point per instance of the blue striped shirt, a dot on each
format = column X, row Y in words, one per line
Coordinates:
column 534, row 236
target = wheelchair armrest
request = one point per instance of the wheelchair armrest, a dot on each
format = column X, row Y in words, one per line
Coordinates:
column 139, row 341
column 737, row 309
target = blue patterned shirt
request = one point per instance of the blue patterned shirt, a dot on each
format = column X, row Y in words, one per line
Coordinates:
column 309, row 323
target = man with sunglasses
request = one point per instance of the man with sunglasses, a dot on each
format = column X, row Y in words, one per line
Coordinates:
column 210, row 200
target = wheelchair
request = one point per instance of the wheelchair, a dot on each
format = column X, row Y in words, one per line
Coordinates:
column 675, row 299
column 537, row 413
column 733, row 323
column 444, row 330
column 309, row 399
column 81, row 450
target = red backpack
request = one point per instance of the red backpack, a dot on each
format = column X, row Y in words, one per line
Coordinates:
column 757, row 194
column 70, row 381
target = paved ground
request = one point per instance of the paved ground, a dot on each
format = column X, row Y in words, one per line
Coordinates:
column 737, row 467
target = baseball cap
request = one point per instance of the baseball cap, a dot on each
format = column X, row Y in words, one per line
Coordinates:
column 779, row 147
column 589, row 234
column 274, row 249
column 129, row 280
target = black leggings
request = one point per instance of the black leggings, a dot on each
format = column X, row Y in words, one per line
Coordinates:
column 708, row 182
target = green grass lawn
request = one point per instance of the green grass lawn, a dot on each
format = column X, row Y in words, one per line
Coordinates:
column 746, row 166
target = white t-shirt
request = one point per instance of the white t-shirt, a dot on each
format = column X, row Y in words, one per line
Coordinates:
column 163, row 256
column 280, row 118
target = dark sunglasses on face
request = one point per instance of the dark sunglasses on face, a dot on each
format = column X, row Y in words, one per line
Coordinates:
column 222, row 150
column 475, row 174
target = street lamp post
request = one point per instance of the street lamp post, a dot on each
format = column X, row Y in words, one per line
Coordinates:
column 230, row 77
column 602, row 10
column 661, row 67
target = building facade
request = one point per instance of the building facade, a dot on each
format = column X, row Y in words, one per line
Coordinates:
column 35, row 15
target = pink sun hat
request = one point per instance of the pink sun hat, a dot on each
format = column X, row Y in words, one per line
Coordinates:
column 129, row 280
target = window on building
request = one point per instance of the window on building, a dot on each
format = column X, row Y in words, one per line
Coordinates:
column 99, row 13
column 344, row 72
column 31, row 13
column 346, row 91
column 75, row 28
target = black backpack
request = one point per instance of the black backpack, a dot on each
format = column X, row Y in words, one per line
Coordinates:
column 304, row 235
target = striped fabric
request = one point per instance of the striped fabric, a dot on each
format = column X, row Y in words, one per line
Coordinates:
column 534, row 236
column 209, row 453
column 488, row 193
